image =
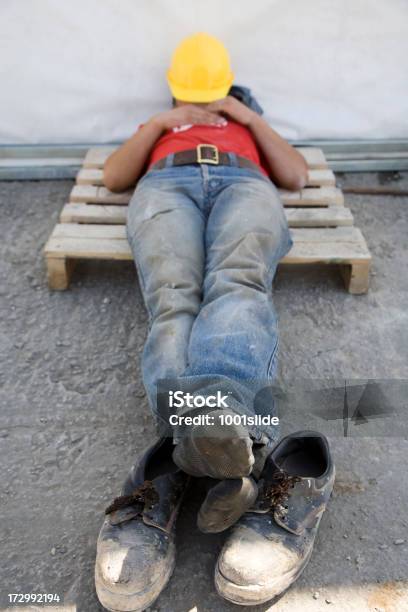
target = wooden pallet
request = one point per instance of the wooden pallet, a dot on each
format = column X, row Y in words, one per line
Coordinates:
column 92, row 224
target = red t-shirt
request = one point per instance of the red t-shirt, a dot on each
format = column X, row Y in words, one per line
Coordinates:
column 231, row 138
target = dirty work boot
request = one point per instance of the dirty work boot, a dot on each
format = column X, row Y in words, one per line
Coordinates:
column 216, row 450
column 271, row 545
column 136, row 545
column 225, row 503
column 229, row 499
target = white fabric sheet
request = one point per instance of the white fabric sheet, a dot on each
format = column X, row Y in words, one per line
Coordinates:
column 92, row 70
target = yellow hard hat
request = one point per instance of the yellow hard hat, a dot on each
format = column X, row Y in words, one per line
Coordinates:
column 200, row 70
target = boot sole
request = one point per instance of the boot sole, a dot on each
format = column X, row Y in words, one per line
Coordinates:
column 254, row 595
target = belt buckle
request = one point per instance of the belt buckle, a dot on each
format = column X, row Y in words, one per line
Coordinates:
column 215, row 159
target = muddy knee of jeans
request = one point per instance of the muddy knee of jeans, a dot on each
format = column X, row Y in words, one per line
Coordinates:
column 172, row 272
column 262, row 246
column 171, row 287
column 249, row 261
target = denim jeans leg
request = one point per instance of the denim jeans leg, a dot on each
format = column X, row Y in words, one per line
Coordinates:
column 165, row 230
column 235, row 336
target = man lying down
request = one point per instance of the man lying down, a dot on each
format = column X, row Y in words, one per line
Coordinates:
column 207, row 230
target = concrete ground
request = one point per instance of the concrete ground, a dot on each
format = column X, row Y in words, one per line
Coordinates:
column 74, row 415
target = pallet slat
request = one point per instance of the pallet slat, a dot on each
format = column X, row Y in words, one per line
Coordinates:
column 331, row 216
column 116, row 248
column 91, row 241
column 316, row 178
column 90, row 176
column 93, row 194
column 299, row 234
column 325, row 252
column 315, row 157
column 327, row 234
column 312, row 196
column 79, row 212
column 93, row 232
column 96, row 156
column 321, row 178
column 87, row 248
column 116, row 214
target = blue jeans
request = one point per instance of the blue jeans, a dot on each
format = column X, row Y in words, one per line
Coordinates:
column 206, row 241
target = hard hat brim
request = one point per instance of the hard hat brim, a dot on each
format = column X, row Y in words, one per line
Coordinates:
column 199, row 95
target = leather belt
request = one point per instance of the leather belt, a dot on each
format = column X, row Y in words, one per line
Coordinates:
column 205, row 154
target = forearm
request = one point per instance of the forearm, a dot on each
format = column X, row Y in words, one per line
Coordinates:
column 124, row 166
column 287, row 166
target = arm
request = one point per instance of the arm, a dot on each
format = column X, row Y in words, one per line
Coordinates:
column 124, row 166
column 287, row 166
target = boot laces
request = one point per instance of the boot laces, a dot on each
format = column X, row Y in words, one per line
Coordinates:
column 278, row 491
column 144, row 495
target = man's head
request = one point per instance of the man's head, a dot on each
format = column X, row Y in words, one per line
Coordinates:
column 200, row 70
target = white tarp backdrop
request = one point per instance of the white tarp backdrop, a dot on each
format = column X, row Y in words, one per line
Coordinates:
column 92, row 70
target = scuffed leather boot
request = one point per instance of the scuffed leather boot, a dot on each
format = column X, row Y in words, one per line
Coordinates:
column 216, row 450
column 272, row 544
column 136, row 545
column 229, row 499
column 225, row 503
